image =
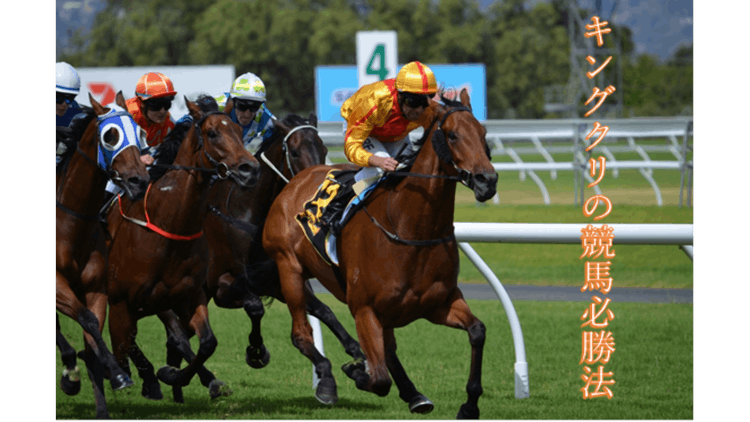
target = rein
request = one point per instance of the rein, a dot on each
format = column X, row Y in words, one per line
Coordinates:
column 439, row 132
column 149, row 225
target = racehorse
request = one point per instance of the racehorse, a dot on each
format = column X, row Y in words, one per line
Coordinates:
column 399, row 259
column 97, row 151
column 239, row 271
column 165, row 251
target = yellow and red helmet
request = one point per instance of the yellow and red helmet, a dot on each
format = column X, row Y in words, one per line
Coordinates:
column 416, row 78
column 154, row 85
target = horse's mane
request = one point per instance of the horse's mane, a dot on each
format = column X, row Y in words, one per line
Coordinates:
column 290, row 121
column 71, row 135
column 167, row 151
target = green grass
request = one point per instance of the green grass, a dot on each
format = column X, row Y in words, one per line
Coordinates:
column 652, row 367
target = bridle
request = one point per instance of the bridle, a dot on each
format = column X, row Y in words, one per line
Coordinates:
column 287, row 152
column 221, row 169
column 444, row 154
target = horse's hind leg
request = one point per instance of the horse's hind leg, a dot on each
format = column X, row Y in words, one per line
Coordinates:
column 92, row 322
column 96, row 375
column 321, row 311
column 70, row 382
column 457, row 314
column 302, row 339
column 417, row 402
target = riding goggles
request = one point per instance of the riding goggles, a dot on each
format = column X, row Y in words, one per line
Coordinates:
column 65, row 98
column 415, row 100
column 244, row 105
column 157, row 104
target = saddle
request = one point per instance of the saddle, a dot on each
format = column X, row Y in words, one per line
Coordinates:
column 321, row 217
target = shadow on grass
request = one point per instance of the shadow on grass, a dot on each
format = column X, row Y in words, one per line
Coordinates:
column 224, row 408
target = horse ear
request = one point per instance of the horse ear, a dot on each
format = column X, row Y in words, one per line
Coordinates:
column 313, row 119
column 120, row 100
column 195, row 112
column 277, row 123
column 98, row 109
column 464, row 95
column 229, row 106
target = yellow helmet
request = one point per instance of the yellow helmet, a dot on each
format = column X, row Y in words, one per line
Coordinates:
column 416, row 78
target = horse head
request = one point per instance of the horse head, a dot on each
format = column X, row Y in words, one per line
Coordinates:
column 221, row 142
column 460, row 144
column 301, row 146
column 119, row 140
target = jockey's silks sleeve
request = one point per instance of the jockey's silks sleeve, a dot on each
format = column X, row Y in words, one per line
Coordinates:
column 373, row 111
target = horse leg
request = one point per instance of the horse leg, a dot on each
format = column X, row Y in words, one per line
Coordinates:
column 70, row 382
column 92, row 322
column 178, row 348
column 370, row 333
column 418, row 403
column 321, row 311
column 234, row 293
column 198, row 323
column 96, row 375
column 457, row 314
column 256, row 355
column 151, row 388
column 302, row 339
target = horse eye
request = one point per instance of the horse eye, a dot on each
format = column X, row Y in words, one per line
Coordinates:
column 452, row 136
column 111, row 137
column 212, row 134
column 295, row 154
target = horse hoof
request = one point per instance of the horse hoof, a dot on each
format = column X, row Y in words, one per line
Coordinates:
column 168, row 375
column 351, row 368
column 421, row 404
column 120, row 382
column 218, row 389
column 70, row 382
column 152, row 392
column 468, row 412
column 257, row 358
column 326, row 392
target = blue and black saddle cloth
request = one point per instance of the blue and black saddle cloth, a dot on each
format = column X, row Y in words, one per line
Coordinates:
column 332, row 206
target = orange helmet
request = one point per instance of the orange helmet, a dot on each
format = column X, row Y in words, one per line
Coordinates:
column 416, row 78
column 154, row 85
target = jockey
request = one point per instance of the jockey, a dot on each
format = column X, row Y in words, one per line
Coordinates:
column 380, row 115
column 154, row 94
column 68, row 85
column 248, row 96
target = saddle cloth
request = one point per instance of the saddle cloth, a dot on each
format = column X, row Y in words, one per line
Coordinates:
column 334, row 203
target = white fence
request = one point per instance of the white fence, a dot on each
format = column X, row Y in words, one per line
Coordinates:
column 515, row 138
column 631, row 234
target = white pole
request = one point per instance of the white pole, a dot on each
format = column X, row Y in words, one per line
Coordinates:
column 521, row 367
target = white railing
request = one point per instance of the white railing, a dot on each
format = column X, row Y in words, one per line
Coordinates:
column 544, row 137
column 630, row 234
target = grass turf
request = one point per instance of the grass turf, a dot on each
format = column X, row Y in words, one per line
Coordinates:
column 652, row 367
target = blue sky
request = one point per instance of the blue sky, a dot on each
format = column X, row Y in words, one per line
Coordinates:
column 659, row 27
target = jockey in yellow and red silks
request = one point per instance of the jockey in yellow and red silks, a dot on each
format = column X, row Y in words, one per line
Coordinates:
column 380, row 115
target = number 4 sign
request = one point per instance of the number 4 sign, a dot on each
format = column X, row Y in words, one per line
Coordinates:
column 377, row 56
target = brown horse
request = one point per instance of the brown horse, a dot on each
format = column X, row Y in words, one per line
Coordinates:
column 103, row 152
column 399, row 258
column 239, row 271
column 166, row 252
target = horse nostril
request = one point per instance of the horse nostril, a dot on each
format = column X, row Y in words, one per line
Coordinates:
column 137, row 182
column 247, row 169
